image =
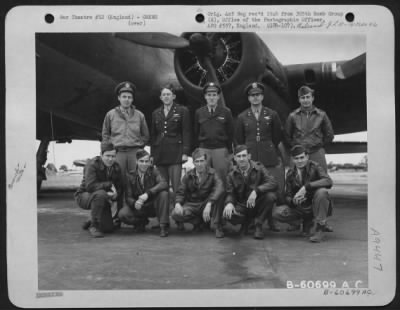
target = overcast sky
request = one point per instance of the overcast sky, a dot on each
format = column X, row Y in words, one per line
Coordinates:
column 289, row 49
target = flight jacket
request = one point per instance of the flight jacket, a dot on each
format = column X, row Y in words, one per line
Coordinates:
column 238, row 187
column 311, row 129
column 125, row 131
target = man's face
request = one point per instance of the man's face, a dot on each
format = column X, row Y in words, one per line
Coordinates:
column 167, row 96
column 256, row 99
column 306, row 100
column 200, row 163
column 108, row 157
column 143, row 163
column 212, row 98
column 242, row 159
column 300, row 160
column 125, row 99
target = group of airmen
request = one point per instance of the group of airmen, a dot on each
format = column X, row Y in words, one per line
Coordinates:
column 238, row 173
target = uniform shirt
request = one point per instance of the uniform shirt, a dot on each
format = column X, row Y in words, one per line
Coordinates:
column 213, row 131
column 125, row 131
column 170, row 135
column 311, row 129
column 261, row 136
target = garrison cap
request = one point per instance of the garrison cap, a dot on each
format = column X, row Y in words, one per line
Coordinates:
column 240, row 148
column 141, row 153
column 254, row 88
column 297, row 150
column 106, row 146
column 125, row 87
column 304, row 90
column 198, row 153
column 211, row 87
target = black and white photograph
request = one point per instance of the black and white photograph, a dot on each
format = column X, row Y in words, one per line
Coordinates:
column 176, row 161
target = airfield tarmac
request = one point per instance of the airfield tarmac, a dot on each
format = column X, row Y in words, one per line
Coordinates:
column 70, row 259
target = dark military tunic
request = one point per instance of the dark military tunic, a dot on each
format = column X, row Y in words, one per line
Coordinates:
column 261, row 136
column 214, row 131
column 170, row 135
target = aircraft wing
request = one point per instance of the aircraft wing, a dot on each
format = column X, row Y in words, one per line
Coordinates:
column 340, row 90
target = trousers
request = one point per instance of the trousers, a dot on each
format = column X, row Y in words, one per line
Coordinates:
column 100, row 209
column 154, row 207
column 219, row 160
column 242, row 214
column 321, row 208
column 172, row 174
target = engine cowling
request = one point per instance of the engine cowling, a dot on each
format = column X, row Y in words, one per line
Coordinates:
column 238, row 59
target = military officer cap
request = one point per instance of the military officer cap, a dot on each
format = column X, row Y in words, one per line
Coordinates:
column 198, row 153
column 106, row 146
column 211, row 87
column 240, row 148
column 254, row 88
column 125, row 87
column 141, row 153
column 297, row 150
column 304, row 90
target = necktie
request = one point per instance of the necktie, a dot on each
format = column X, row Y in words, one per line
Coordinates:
column 166, row 111
column 212, row 111
column 256, row 113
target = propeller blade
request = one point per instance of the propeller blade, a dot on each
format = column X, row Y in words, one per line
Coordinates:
column 212, row 77
column 154, row 39
column 352, row 67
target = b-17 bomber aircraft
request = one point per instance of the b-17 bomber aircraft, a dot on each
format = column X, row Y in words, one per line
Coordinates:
column 76, row 74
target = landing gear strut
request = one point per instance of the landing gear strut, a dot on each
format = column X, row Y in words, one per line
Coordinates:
column 41, row 158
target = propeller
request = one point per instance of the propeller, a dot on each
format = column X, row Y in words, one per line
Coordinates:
column 202, row 48
column 154, row 39
column 351, row 67
column 201, row 45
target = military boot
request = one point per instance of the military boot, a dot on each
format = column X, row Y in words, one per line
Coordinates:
column 219, row 233
column 86, row 224
column 95, row 231
column 327, row 228
column 259, row 234
column 180, row 226
column 319, row 234
column 272, row 226
column 163, row 230
column 307, row 225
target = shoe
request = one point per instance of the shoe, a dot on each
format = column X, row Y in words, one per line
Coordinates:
column 116, row 223
column 140, row 228
column 163, row 230
column 95, row 232
column 219, row 233
column 86, row 224
column 327, row 228
column 307, row 225
column 273, row 227
column 293, row 227
column 244, row 229
column 319, row 235
column 197, row 227
column 258, row 234
column 180, row 226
